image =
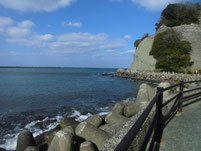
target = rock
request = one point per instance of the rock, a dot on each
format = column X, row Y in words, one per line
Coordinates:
column 143, row 104
column 69, row 129
column 68, row 122
column 87, row 146
column 49, row 136
column 31, row 148
column 104, row 126
column 24, row 140
column 145, row 93
column 62, row 141
column 165, row 85
column 43, row 147
column 142, row 60
column 113, row 129
column 131, row 108
column 39, row 139
column 2, row 149
column 91, row 133
column 121, row 70
column 192, row 85
column 118, row 108
column 114, row 118
column 95, row 120
column 192, row 33
column 143, row 96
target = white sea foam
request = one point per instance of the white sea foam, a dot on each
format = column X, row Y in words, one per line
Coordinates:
column 83, row 117
column 103, row 113
column 11, row 139
column 79, row 117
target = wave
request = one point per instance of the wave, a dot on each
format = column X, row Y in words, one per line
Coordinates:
column 11, row 139
column 38, row 127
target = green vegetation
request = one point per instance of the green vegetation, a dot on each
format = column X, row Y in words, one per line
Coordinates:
column 137, row 42
column 171, row 53
column 179, row 14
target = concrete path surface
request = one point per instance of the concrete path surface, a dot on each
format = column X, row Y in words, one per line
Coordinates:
column 183, row 133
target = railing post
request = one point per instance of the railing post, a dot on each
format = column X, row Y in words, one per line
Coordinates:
column 159, row 127
column 181, row 89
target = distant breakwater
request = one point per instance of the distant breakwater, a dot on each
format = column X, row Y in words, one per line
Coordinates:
column 157, row 76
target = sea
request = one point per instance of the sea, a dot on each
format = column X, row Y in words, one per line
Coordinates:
column 36, row 99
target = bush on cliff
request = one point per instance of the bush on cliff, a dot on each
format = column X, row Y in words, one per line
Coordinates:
column 179, row 14
column 137, row 42
column 171, row 53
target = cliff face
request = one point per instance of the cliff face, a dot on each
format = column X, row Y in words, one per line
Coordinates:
column 192, row 33
column 142, row 60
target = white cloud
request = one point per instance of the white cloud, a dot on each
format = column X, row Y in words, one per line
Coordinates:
column 72, row 24
column 156, row 4
column 85, row 42
column 46, row 37
column 129, row 51
column 78, row 42
column 26, row 24
column 5, row 21
column 35, row 5
column 18, row 32
column 98, row 56
column 123, row 53
column 127, row 36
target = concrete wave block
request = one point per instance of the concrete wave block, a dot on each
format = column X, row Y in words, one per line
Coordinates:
column 91, row 133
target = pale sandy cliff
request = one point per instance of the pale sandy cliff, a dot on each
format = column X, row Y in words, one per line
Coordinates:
column 144, row 62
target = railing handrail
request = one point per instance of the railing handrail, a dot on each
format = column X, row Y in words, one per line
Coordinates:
column 159, row 121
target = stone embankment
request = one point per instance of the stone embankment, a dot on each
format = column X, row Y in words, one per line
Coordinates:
column 97, row 132
column 157, row 76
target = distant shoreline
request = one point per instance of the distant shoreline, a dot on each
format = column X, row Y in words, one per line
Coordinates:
column 25, row 67
column 57, row 67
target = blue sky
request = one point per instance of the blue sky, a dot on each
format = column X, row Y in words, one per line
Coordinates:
column 75, row 33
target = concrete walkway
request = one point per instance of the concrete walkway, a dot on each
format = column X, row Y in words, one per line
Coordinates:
column 183, row 133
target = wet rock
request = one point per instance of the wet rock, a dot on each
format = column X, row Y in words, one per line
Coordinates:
column 49, row 136
column 62, row 141
column 2, row 149
column 43, row 147
column 68, row 122
column 91, row 133
column 24, row 140
column 39, row 139
column 87, row 146
column 118, row 108
column 31, row 148
column 95, row 120
column 44, row 124
column 114, row 118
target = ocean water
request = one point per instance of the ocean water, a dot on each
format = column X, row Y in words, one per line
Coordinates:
column 36, row 99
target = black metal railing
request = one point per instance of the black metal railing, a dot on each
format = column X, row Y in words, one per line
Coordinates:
column 154, row 133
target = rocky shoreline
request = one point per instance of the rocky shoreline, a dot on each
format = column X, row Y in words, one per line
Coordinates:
column 156, row 76
column 98, row 132
column 95, row 133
